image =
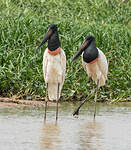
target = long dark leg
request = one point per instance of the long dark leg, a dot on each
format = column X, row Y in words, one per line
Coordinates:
column 76, row 112
column 96, row 98
column 91, row 83
column 57, row 101
column 46, row 100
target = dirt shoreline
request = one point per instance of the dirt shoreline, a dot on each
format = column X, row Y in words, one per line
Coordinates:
column 12, row 102
column 6, row 102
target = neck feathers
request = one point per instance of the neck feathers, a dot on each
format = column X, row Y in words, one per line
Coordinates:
column 54, row 52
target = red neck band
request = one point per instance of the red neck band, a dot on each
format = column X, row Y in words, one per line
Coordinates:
column 55, row 52
column 93, row 61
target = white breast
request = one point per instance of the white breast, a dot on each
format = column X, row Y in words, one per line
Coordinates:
column 54, row 68
column 97, row 70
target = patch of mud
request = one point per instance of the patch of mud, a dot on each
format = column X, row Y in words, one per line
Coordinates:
column 11, row 102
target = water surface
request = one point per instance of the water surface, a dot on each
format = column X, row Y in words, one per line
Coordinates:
column 24, row 129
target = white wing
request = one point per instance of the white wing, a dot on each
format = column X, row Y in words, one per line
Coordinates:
column 103, row 65
column 63, row 64
column 45, row 63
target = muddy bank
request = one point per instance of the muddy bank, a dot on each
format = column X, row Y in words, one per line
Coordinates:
column 11, row 102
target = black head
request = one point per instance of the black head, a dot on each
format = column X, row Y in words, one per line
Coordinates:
column 90, row 38
column 52, row 28
column 84, row 45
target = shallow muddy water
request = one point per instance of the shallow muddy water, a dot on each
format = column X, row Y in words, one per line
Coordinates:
column 24, row 129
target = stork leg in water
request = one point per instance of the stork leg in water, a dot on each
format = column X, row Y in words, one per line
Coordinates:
column 76, row 112
column 96, row 98
column 57, row 101
column 46, row 100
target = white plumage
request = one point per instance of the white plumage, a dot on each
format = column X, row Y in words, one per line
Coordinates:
column 54, row 68
column 95, row 65
column 97, row 70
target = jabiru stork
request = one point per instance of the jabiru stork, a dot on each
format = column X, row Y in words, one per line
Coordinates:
column 54, row 66
column 95, row 65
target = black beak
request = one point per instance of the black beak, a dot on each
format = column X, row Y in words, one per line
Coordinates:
column 46, row 37
column 82, row 48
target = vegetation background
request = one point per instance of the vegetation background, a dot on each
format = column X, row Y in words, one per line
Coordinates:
column 23, row 24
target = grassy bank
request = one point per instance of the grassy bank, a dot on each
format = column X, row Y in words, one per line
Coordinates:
column 23, row 24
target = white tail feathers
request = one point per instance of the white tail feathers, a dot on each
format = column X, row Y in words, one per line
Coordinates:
column 53, row 91
column 102, row 81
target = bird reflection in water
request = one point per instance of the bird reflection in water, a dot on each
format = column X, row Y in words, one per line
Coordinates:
column 50, row 137
column 90, row 134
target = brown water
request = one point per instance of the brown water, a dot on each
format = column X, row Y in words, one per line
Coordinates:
column 23, row 129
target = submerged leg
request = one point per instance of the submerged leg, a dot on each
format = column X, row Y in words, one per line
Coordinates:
column 46, row 100
column 96, row 98
column 57, row 101
column 76, row 112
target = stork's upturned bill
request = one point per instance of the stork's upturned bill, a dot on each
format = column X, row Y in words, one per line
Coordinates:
column 82, row 48
column 46, row 37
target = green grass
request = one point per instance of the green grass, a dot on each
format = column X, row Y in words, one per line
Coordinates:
column 23, row 24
